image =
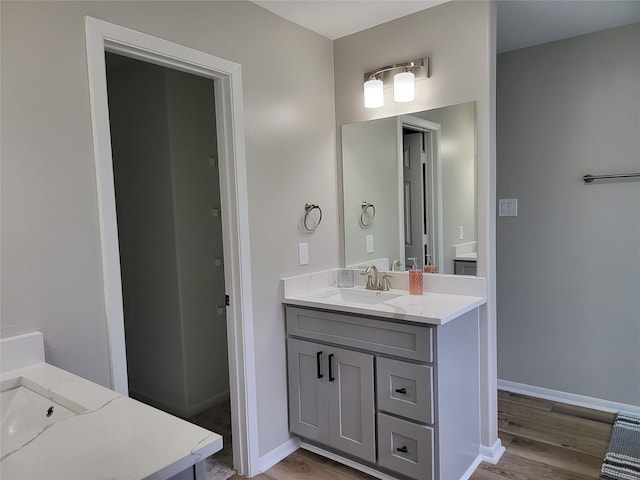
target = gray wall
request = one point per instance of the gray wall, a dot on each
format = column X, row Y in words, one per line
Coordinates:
column 146, row 232
column 196, row 190
column 51, row 270
column 569, row 264
column 458, row 156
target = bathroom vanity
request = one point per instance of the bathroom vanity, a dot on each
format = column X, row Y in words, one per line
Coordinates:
column 386, row 381
column 56, row 425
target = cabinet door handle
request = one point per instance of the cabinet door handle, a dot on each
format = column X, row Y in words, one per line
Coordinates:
column 319, row 364
column 331, row 378
column 402, row 449
column 402, row 390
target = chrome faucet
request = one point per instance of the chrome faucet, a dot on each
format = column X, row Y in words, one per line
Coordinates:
column 372, row 277
column 374, row 282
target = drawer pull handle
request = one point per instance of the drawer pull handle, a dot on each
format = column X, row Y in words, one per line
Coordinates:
column 318, row 364
column 402, row 390
column 402, row 449
column 331, row 378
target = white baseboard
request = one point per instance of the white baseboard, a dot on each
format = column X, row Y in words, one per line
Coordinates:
column 493, row 453
column 277, row 454
column 472, row 468
column 566, row 397
column 179, row 410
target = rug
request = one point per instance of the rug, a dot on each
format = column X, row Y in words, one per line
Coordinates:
column 217, row 470
column 622, row 461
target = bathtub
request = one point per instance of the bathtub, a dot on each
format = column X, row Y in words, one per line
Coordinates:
column 57, row 425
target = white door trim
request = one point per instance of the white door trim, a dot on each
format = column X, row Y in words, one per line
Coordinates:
column 435, row 175
column 103, row 36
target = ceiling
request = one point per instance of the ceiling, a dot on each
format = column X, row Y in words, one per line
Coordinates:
column 521, row 23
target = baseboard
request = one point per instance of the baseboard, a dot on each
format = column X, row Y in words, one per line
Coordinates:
column 178, row 410
column 566, row 397
column 492, row 454
column 200, row 407
column 277, row 454
column 472, row 468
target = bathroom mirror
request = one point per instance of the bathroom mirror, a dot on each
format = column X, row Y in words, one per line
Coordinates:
column 409, row 190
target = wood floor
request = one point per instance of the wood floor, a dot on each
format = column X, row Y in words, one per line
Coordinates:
column 544, row 440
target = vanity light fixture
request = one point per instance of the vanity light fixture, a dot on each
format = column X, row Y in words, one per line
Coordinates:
column 404, row 76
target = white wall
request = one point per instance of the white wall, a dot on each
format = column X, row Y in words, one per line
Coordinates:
column 460, row 39
column 51, row 271
column 569, row 263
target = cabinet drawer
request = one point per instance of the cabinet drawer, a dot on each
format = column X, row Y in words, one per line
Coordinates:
column 405, row 389
column 405, row 447
column 408, row 341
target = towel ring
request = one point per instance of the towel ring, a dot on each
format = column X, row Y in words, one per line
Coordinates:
column 309, row 207
column 365, row 209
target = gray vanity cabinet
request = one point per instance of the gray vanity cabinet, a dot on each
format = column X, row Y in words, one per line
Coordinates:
column 401, row 397
column 331, row 397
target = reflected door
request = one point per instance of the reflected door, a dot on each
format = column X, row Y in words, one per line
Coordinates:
column 416, row 209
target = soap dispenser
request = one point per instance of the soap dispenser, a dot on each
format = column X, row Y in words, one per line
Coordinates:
column 415, row 278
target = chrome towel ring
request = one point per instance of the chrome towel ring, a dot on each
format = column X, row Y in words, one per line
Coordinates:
column 309, row 207
column 368, row 212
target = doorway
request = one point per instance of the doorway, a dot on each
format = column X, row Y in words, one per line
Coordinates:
column 164, row 149
column 104, row 37
column 421, row 188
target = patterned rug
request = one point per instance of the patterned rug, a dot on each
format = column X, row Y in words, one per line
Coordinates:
column 622, row 461
column 217, row 470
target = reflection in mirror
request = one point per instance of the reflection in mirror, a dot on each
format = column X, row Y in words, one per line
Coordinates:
column 419, row 173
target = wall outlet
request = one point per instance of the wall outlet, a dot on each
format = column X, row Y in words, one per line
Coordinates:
column 369, row 243
column 461, row 234
column 303, row 254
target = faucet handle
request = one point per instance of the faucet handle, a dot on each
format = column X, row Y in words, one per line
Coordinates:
column 386, row 284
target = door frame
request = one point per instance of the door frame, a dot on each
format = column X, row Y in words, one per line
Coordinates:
column 103, row 36
column 435, row 176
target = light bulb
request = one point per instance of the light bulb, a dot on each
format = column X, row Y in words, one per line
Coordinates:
column 373, row 94
column 403, row 87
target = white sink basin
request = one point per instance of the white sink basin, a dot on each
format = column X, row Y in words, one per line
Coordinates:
column 355, row 295
column 25, row 414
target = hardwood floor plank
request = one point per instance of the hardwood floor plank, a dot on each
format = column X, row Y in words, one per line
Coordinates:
column 515, row 467
column 505, row 438
column 302, row 465
column 260, row 476
column 586, row 413
column 577, row 425
column 556, row 456
column 540, row 403
column 553, row 436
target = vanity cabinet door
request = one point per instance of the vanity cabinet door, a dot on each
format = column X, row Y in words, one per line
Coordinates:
column 331, row 397
column 351, row 403
column 308, row 392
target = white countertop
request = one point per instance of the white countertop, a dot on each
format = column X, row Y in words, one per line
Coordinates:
column 430, row 308
column 112, row 436
column 467, row 257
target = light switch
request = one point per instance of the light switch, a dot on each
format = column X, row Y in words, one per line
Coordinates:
column 369, row 243
column 508, row 207
column 303, row 254
column 461, row 233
